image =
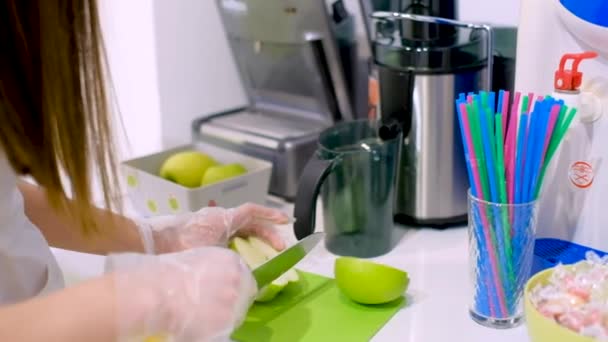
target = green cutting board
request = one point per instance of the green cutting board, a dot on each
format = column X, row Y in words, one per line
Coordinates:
column 314, row 309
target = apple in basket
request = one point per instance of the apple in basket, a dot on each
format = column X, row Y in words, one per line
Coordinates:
column 186, row 168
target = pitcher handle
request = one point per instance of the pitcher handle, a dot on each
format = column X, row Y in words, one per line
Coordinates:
column 314, row 174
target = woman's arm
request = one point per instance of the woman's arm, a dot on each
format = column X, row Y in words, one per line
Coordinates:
column 84, row 312
column 62, row 231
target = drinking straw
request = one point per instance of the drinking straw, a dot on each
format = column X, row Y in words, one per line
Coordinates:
column 501, row 95
column 537, row 148
column 481, row 192
column 555, row 141
column 534, row 121
column 552, row 119
column 487, row 145
column 488, row 233
column 504, row 110
column 524, row 106
column 521, row 137
column 492, row 103
column 510, row 156
column 487, row 132
column 475, row 131
column 500, row 163
column 529, row 104
column 473, row 173
column 510, row 148
column 469, row 148
column 506, row 229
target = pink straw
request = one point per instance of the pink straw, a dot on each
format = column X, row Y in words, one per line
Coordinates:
column 510, row 147
column 510, row 156
column 530, row 102
column 552, row 120
column 484, row 219
column 505, row 113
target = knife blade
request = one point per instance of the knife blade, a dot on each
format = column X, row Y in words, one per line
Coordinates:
column 284, row 261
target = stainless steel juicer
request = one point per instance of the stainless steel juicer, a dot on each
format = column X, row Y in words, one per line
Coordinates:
column 424, row 59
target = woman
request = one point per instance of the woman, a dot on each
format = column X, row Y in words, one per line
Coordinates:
column 169, row 275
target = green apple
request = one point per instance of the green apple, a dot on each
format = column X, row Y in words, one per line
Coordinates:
column 219, row 173
column 269, row 292
column 255, row 252
column 253, row 258
column 186, row 168
column 367, row 282
column 270, row 253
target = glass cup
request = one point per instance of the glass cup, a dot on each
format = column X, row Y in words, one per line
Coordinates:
column 501, row 247
column 353, row 170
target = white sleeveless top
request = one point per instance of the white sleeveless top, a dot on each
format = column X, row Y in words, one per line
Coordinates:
column 27, row 265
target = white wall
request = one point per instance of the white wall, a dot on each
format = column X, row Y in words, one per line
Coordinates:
column 128, row 29
column 196, row 71
column 171, row 63
column 497, row 12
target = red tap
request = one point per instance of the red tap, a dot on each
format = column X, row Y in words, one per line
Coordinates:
column 570, row 80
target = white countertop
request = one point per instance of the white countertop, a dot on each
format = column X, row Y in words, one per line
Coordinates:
column 438, row 295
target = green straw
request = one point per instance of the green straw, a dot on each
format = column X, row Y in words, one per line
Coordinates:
column 524, row 105
column 556, row 139
column 474, row 123
column 500, row 165
column 562, row 116
column 502, row 191
column 476, row 135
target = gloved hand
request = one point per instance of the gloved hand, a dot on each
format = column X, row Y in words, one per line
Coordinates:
column 211, row 226
column 197, row 295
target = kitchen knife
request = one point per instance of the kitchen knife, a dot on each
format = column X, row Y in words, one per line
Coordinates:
column 284, row 261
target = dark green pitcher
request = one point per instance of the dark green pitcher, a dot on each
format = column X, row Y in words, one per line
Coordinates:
column 354, row 171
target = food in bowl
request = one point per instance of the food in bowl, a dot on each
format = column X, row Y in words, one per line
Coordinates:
column 576, row 297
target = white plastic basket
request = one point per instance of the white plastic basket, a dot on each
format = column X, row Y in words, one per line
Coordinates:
column 152, row 195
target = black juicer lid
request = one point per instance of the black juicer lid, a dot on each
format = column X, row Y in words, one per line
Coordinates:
column 455, row 49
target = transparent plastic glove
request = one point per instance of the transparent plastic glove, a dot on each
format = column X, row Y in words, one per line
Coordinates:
column 212, row 226
column 197, row 295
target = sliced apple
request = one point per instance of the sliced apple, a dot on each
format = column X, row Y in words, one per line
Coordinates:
column 270, row 253
column 263, row 247
column 269, row 292
column 255, row 252
column 252, row 256
column 367, row 282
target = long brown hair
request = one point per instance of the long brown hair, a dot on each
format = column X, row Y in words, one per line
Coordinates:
column 54, row 116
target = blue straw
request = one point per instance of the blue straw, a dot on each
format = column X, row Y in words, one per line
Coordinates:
column 492, row 102
column 523, row 124
column 530, row 148
column 481, row 302
column 501, row 95
column 465, row 145
column 487, row 132
column 538, row 147
column 487, row 147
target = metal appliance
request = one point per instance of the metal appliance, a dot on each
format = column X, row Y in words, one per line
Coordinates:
column 424, row 59
column 562, row 51
column 303, row 69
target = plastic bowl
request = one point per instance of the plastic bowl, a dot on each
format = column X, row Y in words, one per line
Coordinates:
column 541, row 328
